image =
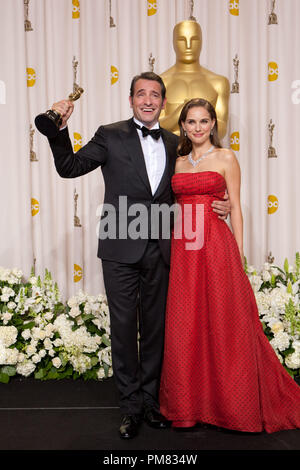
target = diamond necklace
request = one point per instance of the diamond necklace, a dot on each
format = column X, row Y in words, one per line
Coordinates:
column 195, row 162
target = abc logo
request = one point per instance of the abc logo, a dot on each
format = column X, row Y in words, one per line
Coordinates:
column 152, row 7
column 272, row 204
column 31, row 76
column 234, row 7
column 235, row 141
column 77, row 141
column 35, row 206
column 273, row 71
column 76, row 9
column 114, row 74
column 77, row 273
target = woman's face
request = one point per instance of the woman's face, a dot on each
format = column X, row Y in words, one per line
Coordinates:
column 198, row 125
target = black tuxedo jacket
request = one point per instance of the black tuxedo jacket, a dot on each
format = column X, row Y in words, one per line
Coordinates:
column 117, row 149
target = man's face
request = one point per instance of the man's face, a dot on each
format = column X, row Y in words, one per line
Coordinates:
column 147, row 101
column 187, row 41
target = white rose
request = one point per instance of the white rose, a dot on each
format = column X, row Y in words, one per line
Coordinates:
column 30, row 350
column 101, row 373
column 72, row 302
column 277, row 327
column 74, row 312
column 2, row 354
column 58, row 342
column 42, row 353
column 21, row 357
column 6, row 316
column 48, row 343
column 36, row 358
column 51, row 352
column 56, row 362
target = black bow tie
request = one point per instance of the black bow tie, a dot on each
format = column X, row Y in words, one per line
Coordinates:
column 155, row 133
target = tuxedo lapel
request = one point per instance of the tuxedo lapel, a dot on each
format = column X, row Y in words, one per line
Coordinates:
column 165, row 180
column 133, row 146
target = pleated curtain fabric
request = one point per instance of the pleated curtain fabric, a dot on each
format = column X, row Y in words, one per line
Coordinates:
column 47, row 45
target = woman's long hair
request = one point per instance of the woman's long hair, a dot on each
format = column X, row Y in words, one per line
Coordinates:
column 185, row 145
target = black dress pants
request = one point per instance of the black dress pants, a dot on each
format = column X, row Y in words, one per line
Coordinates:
column 136, row 295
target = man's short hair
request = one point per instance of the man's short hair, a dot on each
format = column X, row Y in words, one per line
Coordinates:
column 148, row 76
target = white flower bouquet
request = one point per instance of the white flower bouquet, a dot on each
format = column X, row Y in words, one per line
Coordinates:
column 40, row 335
column 277, row 293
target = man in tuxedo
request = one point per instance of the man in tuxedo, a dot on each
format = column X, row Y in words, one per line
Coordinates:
column 139, row 165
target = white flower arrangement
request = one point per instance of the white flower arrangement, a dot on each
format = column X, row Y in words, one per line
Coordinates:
column 40, row 335
column 277, row 293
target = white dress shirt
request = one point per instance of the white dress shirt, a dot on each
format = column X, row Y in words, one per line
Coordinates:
column 154, row 154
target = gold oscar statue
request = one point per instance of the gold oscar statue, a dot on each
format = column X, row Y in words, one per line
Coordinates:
column 33, row 157
column 27, row 22
column 76, row 218
column 272, row 15
column 151, row 62
column 187, row 79
column 271, row 149
column 48, row 123
column 236, row 86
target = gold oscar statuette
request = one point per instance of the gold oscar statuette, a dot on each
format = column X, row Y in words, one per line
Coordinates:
column 76, row 218
column 271, row 149
column 187, row 79
column 272, row 15
column 48, row 123
column 191, row 17
column 111, row 20
column 236, row 86
column 27, row 23
column 151, row 62
column 33, row 157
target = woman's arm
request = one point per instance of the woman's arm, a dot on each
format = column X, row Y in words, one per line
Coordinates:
column 233, row 181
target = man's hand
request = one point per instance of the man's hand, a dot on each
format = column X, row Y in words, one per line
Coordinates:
column 222, row 207
column 65, row 108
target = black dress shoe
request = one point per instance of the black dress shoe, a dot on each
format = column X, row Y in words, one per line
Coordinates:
column 129, row 426
column 155, row 419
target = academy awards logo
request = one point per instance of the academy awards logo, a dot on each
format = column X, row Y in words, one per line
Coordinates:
column 76, row 9
column 272, row 204
column 31, row 76
column 77, row 141
column 35, row 207
column 2, row 92
column 152, row 7
column 77, row 273
column 272, row 71
column 235, row 141
column 114, row 74
column 234, row 7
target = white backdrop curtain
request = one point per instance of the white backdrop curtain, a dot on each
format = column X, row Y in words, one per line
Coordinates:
column 37, row 217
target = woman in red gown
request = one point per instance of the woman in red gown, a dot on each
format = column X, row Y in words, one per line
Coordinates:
column 219, row 367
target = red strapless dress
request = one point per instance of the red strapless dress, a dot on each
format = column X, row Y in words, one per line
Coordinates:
column 218, row 367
